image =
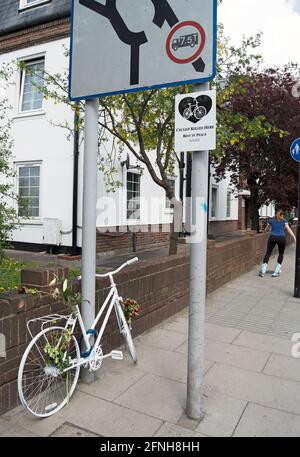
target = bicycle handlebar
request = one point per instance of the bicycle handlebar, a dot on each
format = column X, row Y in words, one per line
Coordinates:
column 105, row 275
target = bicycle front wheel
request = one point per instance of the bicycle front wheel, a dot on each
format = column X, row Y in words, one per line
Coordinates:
column 43, row 387
column 125, row 331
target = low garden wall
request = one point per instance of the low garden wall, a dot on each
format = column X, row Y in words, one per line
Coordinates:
column 159, row 285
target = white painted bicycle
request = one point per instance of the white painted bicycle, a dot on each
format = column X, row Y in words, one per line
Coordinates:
column 50, row 366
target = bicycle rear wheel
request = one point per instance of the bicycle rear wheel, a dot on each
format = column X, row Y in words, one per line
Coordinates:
column 43, row 388
column 125, row 331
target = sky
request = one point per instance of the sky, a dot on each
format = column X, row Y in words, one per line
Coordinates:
column 279, row 20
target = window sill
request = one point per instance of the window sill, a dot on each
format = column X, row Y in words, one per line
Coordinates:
column 29, row 114
column 34, row 5
column 31, row 222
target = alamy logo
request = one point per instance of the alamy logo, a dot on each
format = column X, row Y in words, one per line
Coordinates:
column 296, row 346
column 2, row 345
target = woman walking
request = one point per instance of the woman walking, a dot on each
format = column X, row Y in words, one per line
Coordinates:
column 279, row 227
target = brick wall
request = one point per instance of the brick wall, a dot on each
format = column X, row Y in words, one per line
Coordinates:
column 160, row 286
column 122, row 241
column 32, row 36
column 219, row 227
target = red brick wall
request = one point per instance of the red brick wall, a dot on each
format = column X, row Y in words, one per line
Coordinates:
column 35, row 35
column 121, row 241
column 219, row 227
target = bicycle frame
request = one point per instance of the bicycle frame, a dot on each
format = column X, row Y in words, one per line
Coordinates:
column 112, row 301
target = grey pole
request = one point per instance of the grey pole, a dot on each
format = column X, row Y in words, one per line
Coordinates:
column 89, row 218
column 197, row 280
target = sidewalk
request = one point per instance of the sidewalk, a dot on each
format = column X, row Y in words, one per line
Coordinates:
column 252, row 382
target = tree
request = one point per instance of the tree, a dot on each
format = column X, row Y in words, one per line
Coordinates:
column 144, row 122
column 7, row 213
column 261, row 119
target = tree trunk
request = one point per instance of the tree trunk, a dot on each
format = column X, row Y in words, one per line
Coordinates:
column 254, row 206
column 254, row 213
column 255, row 219
column 173, row 240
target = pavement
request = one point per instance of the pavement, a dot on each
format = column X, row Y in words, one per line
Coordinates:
column 251, row 382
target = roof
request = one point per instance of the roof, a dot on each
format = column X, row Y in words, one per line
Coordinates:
column 12, row 19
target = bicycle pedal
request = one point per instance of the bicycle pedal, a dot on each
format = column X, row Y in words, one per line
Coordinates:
column 117, row 355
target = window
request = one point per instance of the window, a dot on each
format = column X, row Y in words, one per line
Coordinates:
column 168, row 202
column 29, row 190
column 214, row 201
column 228, row 203
column 133, row 196
column 30, row 3
column 31, row 79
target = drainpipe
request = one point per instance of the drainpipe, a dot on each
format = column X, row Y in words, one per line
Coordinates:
column 181, row 175
column 75, row 181
column 188, row 192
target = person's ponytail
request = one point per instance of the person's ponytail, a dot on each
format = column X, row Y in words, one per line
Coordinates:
column 279, row 216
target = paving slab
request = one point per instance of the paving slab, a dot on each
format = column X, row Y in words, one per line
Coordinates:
column 178, row 325
column 221, row 414
column 283, row 367
column 221, row 333
column 264, row 343
column 167, row 364
column 168, row 430
column 113, row 379
column 17, row 432
column 260, row 421
column 163, row 339
column 157, row 397
column 109, row 419
column 72, row 431
column 37, row 426
column 236, row 356
column 254, row 387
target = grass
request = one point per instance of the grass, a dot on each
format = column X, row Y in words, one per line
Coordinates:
column 10, row 272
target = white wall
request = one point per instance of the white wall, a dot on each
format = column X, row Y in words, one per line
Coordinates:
column 222, row 188
column 35, row 139
column 267, row 210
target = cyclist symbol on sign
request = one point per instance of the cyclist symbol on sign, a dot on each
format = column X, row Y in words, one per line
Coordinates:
column 194, row 109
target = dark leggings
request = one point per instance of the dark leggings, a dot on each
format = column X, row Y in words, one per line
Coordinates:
column 273, row 240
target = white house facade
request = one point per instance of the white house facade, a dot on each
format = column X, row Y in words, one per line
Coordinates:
column 44, row 158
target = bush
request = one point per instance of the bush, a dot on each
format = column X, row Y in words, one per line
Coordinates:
column 10, row 274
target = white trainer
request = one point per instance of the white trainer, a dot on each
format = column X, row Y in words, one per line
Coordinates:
column 277, row 271
column 263, row 270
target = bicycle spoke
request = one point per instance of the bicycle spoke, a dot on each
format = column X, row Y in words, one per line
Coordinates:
column 44, row 389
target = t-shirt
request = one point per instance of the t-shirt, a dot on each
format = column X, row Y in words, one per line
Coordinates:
column 278, row 227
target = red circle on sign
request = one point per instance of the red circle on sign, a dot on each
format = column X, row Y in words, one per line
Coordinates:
column 197, row 53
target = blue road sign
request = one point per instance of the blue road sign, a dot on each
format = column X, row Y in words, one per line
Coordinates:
column 295, row 150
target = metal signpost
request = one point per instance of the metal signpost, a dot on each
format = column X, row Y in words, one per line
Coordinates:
column 195, row 130
column 120, row 47
column 295, row 153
